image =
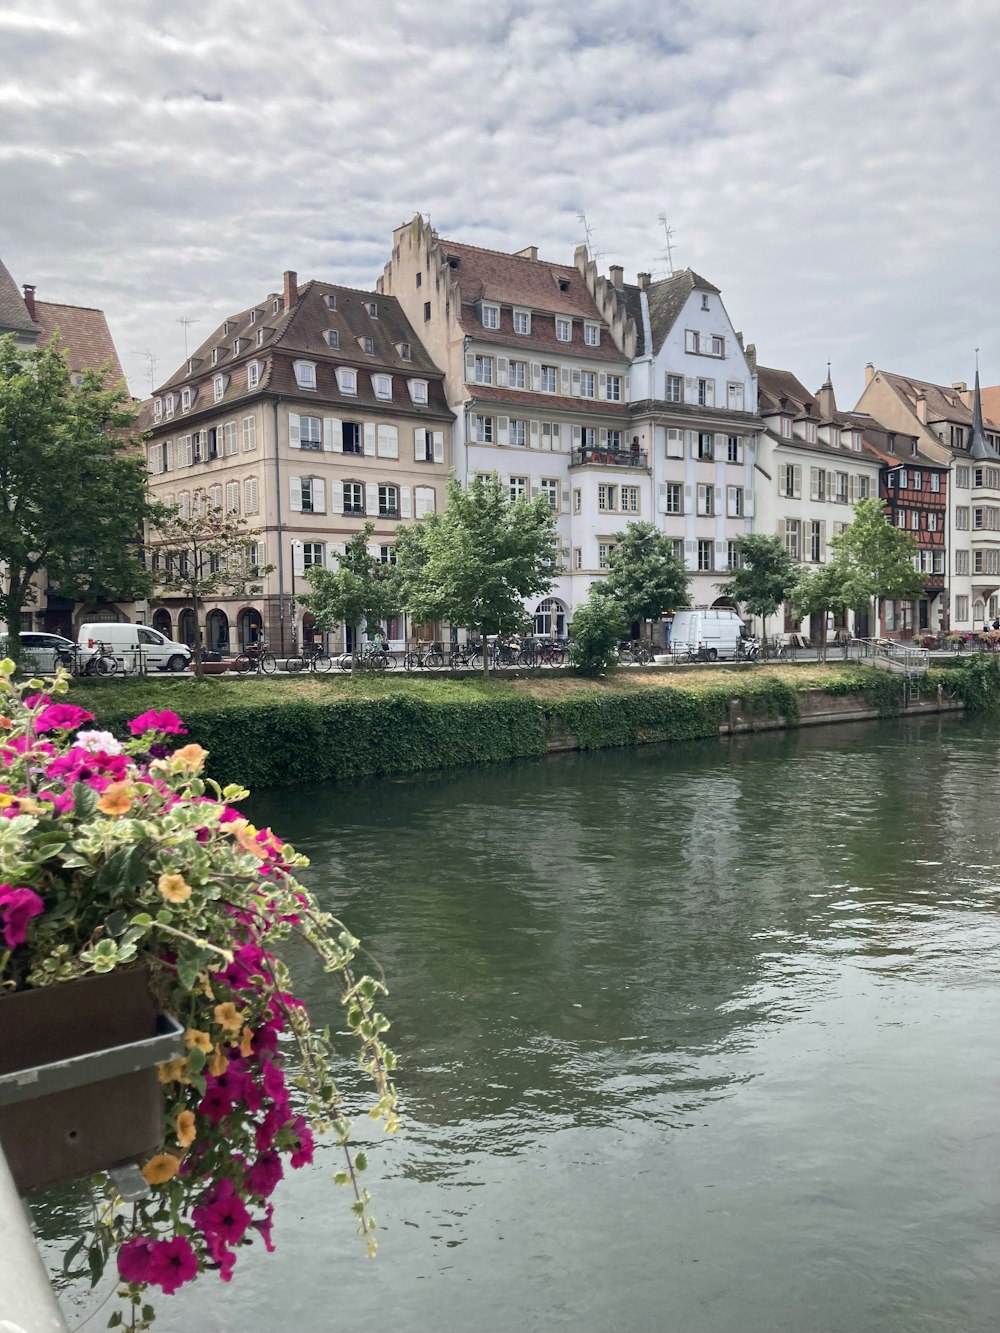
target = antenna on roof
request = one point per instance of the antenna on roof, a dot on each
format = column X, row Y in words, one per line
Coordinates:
column 187, row 322
column 151, row 361
column 588, row 233
column 668, row 235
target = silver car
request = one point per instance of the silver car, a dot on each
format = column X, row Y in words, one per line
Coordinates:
column 39, row 652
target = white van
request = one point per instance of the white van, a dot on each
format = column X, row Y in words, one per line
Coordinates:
column 137, row 647
column 715, row 628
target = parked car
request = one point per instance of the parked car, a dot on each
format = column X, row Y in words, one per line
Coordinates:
column 135, row 646
column 39, row 651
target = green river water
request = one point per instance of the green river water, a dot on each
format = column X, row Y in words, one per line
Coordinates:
column 701, row 1038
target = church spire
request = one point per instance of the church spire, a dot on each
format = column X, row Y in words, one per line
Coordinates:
column 979, row 446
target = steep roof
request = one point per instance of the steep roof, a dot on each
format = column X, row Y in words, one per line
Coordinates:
column 14, row 317
column 980, row 447
column 536, row 284
column 83, row 334
column 943, row 403
column 667, row 298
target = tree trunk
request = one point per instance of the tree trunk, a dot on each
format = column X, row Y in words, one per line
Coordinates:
column 486, row 653
column 822, row 637
column 199, row 668
column 354, row 647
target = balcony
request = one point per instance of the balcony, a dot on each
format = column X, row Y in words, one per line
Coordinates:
column 593, row 455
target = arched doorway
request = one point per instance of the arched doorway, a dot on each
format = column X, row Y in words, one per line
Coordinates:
column 217, row 629
column 725, row 602
column 249, row 627
column 550, row 619
column 162, row 622
column 186, row 628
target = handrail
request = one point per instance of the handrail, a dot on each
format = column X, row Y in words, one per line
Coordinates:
column 893, row 654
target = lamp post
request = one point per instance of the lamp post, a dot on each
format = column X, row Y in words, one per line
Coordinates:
column 296, row 554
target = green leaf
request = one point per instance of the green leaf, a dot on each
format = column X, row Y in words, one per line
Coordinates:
column 196, row 1059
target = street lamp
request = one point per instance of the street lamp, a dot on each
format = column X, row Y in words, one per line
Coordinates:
column 296, row 551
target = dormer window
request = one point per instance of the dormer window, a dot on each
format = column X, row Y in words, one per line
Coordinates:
column 786, row 427
column 253, row 374
column 367, row 346
column 811, row 432
column 333, row 338
column 564, row 330
column 490, row 315
column 187, row 398
column 215, row 356
column 564, row 284
column 418, row 391
column 592, row 334
column 331, row 300
column 835, row 437
column 218, row 388
column 261, row 335
column 227, row 328
column 347, row 380
column 168, row 404
column 236, row 347
column 405, row 352
column 372, row 307
column 382, row 385
column 522, row 322
column 253, row 316
column 190, row 364
column 305, row 374
column 157, row 409
column 276, row 306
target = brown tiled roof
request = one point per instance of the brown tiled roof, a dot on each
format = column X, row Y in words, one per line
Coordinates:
column 14, row 317
column 512, row 280
column 667, row 299
column 875, row 439
column 779, row 391
column 83, row 334
column 943, row 403
column 542, row 338
column 523, row 400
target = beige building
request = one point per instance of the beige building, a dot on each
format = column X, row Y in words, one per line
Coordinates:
column 309, row 413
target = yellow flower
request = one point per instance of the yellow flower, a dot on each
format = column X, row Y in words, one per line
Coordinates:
column 173, row 1071
column 190, row 756
column 174, row 888
column 6, row 799
column 228, row 1016
column 185, row 1129
column 219, row 1063
column 116, row 799
column 161, row 1168
column 200, row 1039
column 246, row 1045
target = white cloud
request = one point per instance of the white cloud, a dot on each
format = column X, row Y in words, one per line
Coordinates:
column 829, row 167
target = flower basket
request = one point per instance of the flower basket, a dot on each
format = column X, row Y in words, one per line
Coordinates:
column 78, row 1086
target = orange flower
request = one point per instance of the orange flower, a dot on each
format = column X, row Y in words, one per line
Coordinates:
column 191, row 756
column 5, row 724
column 174, row 888
column 246, row 1045
column 228, row 1016
column 219, row 1063
column 116, row 799
column 161, row 1168
column 200, row 1039
column 172, row 1071
column 186, row 1134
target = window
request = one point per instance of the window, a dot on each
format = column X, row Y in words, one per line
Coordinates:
column 157, row 409
column 249, row 434
column 577, row 502
column 961, row 562
column 551, row 438
column 332, row 338
column 961, row 608
column 917, row 484
column 218, row 388
column 484, row 370
column 979, row 518
column 382, row 385
column 312, row 555
column 251, row 497
column 184, row 503
column 388, row 502
column 588, row 384
column 864, row 487
column 232, row 497
column 484, row 429
column 614, row 440
column 734, row 502
column 418, row 391
column 155, row 459
column 936, row 482
column 690, row 340
column 673, row 493
column 518, row 488
column 914, row 521
column 387, row 554
column 405, row 354
column 902, row 481
column 427, row 311
column 588, row 437
column 734, row 397
column 592, row 334
column 706, row 393
column 305, row 374
column 347, row 380
column 811, row 432
column 548, row 379
column 604, row 550
column 614, row 388
column 961, row 476
column 842, row 488
column 372, row 308
column 549, row 487
column 734, row 449
column 901, row 519
column 367, row 345
column 606, row 497
column 961, row 516
column 388, row 441
column 705, row 552
column 491, row 316
column 313, row 501
column 706, row 496
column 522, row 321
column 817, row 484
column 675, row 389
column 354, row 497
column 816, row 541
column 350, row 433
column 168, row 406
column 577, row 557
column 517, row 431
column 311, row 433
column 793, row 538
column 706, row 446
column 564, row 330
column 718, row 346
column 630, row 499
column 932, row 522
column 253, row 374
column 733, row 558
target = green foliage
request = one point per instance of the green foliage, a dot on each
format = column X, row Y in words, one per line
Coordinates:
column 597, row 626
column 976, row 680
column 817, row 591
column 645, row 576
column 765, row 576
column 874, row 559
column 362, row 589
column 73, row 493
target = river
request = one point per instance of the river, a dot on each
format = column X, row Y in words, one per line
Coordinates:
column 699, row 1038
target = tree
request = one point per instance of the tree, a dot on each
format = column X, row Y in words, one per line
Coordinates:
column 204, row 555
column 73, row 492
column 595, row 631
column 875, row 559
column 645, row 577
column 475, row 562
column 764, row 578
column 818, row 591
column 362, row 589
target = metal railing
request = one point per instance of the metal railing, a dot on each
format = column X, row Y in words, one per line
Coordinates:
column 890, row 655
column 637, row 458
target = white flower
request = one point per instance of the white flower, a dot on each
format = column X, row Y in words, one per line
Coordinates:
column 95, row 741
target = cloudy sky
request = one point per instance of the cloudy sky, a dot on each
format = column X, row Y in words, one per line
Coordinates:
column 831, row 165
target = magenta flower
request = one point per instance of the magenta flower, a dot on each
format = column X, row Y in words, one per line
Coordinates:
column 303, row 1155
column 172, row 1263
column 135, row 1259
column 263, row 1176
column 263, row 1225
column 162, row 720
column 17, row 907
column 61, row 717
column 226, row 1217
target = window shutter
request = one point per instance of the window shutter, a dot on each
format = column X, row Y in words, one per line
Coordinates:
column 690, row 549
column 831, row 485
column 249, row 434
column 575, row 381
column 566, row 381
column 577, row 437
column 439, row 446
column 501, row 370
column 298, row 558
column 371, row 498
column 710, row 395
column 602, row 384
column 319, row 495
column 822, row 540
column 854, row 487
column 690, row 389
column 781, row 533
column 332, row 552
column 692, row 443
column 535, row 489
column 294, row 431
column 797, row 481
column 388, row 442
column 732, row 501
column 814, row 483
column 717, row 508
column 688, row 496
column 503, row 430
column 369, row 445
column 603, row 437
column 295, row 495
column 231, row 444
column 533, row 439
column 404, row 502
column 336, row 497
column 748, row 504
column 536, row 375
column 721, row 555
column 662, row 503
column 419, row 444
column 470, row 367
column 333, row 435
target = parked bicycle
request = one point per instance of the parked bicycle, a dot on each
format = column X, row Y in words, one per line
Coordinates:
column 773, row 651
column 255, row 658
column 425, row 655
column 312, row 658
column 466, row 655
column 630, row 653
column 368, row 658
column 101, row 662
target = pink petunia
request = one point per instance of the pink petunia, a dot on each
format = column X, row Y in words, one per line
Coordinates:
column 263, row 1176
column 225, row 1216
column 172, row 1263
column 162, row 720
column 61, row 717
column 17, row 907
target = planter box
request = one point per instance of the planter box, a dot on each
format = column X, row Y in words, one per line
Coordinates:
column 79, row 1091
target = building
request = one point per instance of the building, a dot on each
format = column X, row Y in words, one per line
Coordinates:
column 15, row 317
column 309, row 413
column 536, row 358
column 949, row 427
column 812, row 467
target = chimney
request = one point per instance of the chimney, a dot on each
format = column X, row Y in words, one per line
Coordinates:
column 752, row 356
column 643, row 281
column 869, row 373
column 922, row 409
column 29, row 298
column 617, row 276
column 529, row 252
column 291, row 288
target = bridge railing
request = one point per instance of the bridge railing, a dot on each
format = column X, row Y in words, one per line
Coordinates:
column 890, row 654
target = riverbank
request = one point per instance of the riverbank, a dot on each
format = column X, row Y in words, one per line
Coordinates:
column 270, row 731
